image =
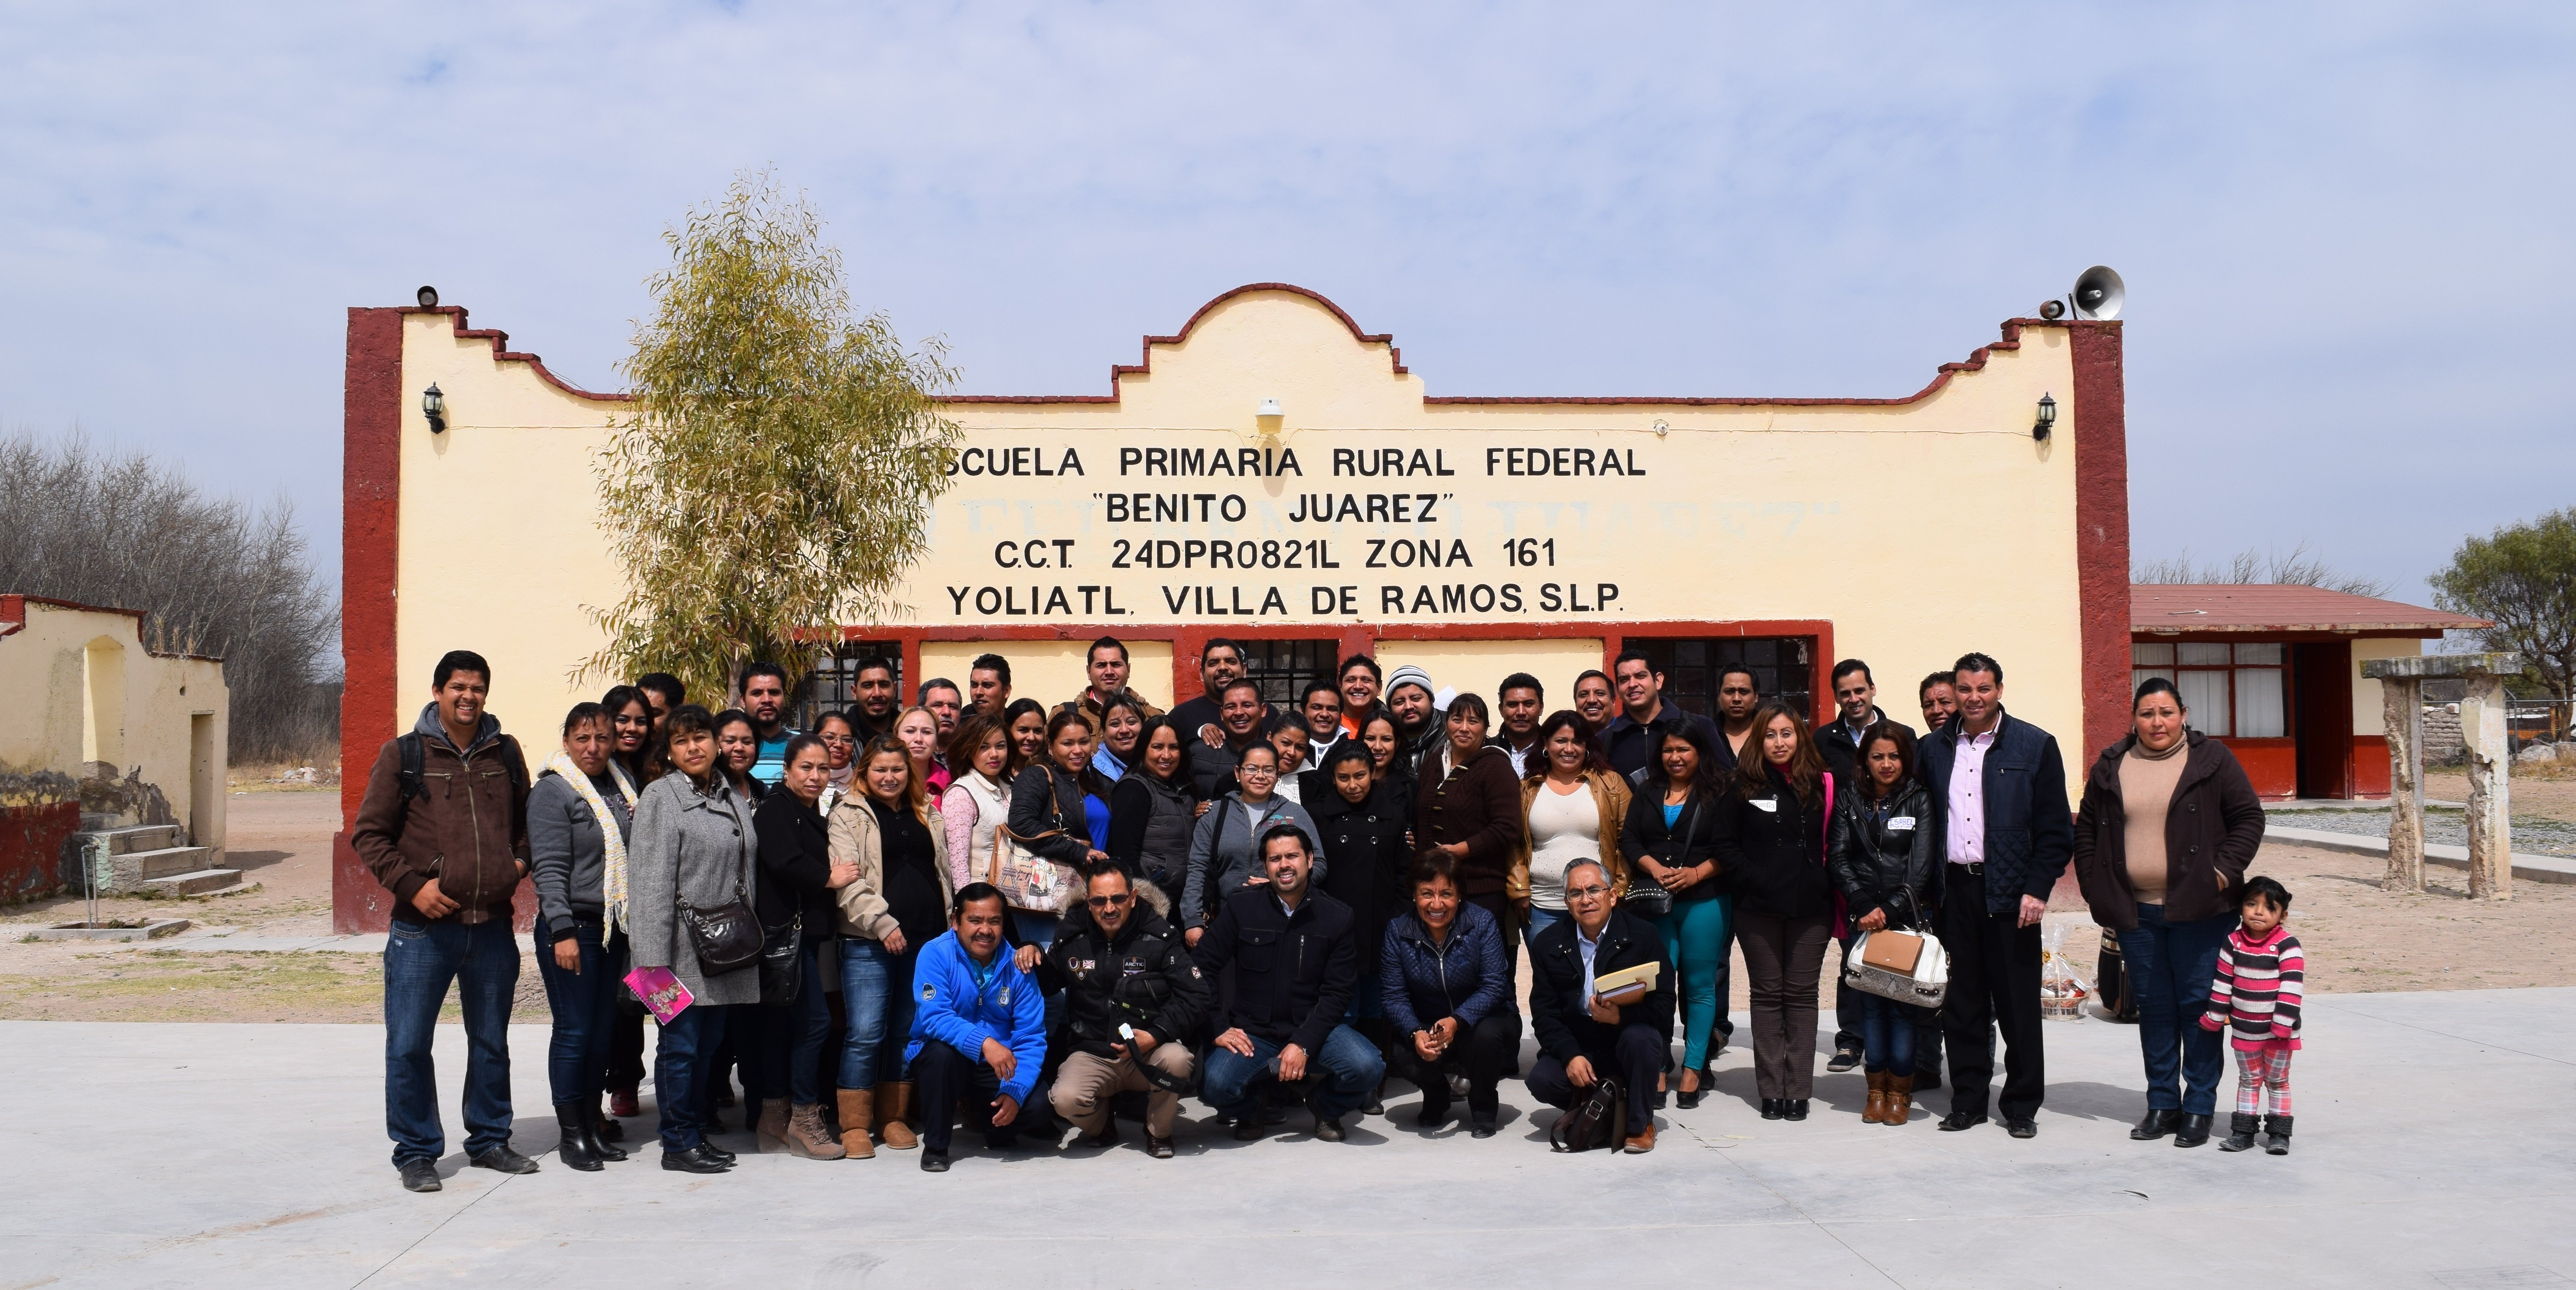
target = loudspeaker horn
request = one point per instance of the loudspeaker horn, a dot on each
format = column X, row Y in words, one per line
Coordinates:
column 2099, row 293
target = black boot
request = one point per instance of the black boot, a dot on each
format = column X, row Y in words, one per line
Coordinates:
column 594, row 1131
column 2240, row 1131
column 574, row 1148
column 2156, row 1125
column 2276, row 1136
column 2193, row 1131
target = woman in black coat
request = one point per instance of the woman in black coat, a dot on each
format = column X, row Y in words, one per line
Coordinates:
column 1363, row 829
column 1677, row 823
column 1774, row 857
column 1880, row 855
column 1046, row 812
column 797, row 879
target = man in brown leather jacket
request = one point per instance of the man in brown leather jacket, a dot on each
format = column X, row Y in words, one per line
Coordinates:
column 444, row 828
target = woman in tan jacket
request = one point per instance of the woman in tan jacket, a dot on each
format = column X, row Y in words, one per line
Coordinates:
column 898, row 904
column 1572, row 808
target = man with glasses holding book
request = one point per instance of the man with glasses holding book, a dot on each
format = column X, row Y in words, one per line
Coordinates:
column 1601, row 1003
column 1133, row 998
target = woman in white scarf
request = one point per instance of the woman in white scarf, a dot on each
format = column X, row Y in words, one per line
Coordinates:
column 579, row 813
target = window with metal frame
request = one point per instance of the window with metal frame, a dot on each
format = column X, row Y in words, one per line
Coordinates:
column 1783, row 668
column 834, row 684
column 2228, row 690
column 1283, row 667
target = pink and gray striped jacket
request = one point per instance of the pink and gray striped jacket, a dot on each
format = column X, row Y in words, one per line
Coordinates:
column 2255, row 992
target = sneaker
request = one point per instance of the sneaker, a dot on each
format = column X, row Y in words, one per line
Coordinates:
column 420, row 1173
column 1844, row 1060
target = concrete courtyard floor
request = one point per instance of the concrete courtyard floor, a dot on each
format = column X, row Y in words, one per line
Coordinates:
column 2434, row 1149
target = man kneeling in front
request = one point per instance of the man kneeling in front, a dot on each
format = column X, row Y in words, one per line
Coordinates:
column 978, row 1032
column 1582, row 1038
column 1290, row 949
column 1132, row 998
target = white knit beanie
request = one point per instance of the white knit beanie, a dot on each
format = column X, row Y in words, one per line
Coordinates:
column 1408, row 675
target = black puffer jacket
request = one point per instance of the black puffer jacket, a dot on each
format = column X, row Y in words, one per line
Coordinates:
column 1142, row 977
column 1774, row 852
column 1881, row 854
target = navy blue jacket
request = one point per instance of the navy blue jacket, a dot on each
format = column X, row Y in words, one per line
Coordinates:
column 1292, row 974
column 2030, row 830
column 1468, row 978
column 1564, row 1027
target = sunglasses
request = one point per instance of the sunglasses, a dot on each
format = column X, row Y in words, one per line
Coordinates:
column 1109, row 902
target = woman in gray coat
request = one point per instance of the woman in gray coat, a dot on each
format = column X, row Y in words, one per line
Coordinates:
column 1224, row 845
column 693, row 841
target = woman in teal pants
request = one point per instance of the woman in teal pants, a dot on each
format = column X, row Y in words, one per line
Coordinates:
column 1671, row 838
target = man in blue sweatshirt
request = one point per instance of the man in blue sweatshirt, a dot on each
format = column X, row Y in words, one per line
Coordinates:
column 978, row 1029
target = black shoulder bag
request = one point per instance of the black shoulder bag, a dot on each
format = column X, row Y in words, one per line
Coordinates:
column 727, row 938
column 1593, row 1122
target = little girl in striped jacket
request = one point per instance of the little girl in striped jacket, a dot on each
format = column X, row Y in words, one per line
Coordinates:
column 2255, row 997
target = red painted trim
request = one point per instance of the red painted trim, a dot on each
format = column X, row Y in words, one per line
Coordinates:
column 371, row 427
column 13, row 619
column 502, row 353
column 2098, row 410
column 2259, row 635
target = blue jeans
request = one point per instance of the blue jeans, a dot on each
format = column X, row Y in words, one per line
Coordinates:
column 1695, row 938
column 1539, row 921
column 1368, row 1000
column 1345, row 1072
column 2170, row 965
column 683, row 1058
column 1887, row 1034
column 876, row 998
column 792, row 1037
column 420, row 960
column 584, row 1005
column 1037, row 929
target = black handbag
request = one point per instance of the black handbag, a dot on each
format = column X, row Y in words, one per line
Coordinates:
column 1647, row 898
column 1594, row 1121
column 782, row 962
column 727, row 938
column 2118, row 998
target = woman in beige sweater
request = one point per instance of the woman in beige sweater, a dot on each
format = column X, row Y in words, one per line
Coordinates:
column 899, row 903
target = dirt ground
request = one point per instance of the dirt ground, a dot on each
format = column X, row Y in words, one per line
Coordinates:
column 2357, row 936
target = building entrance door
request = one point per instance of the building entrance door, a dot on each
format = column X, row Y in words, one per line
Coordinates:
column 2323, row 674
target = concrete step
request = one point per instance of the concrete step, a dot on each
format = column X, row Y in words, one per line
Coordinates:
column 202, row 882
column 166, row 861
column 141, row 837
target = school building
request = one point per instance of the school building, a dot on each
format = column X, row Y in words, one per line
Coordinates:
column 1274, row 473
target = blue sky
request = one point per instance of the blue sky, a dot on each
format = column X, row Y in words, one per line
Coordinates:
column 2345, row 227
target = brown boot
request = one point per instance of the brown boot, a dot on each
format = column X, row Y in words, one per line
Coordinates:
column 773, row 1125
column 894, row 1116
column 858, row 1111
column 1900, row 1099
column 807, row 1137
column 1876, row 1111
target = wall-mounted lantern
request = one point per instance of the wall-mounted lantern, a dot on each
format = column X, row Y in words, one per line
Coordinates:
column 433, row 405
column 2047, row 418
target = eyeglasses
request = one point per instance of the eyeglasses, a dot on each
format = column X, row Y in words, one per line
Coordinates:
column 1585, row 893
column 1246, row 771
column 1109, row 902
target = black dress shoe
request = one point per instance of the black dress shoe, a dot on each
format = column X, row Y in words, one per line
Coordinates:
column 2193, row 1131
column 1660, row 1100
column 934, row 1162
column 599, row 1146
column 1328, row 1130
column 2022, row 1128
column 1481, row 1129
column 1248, row 1129
column 420, row 1173
column 2155, row 1125
column 1794, row 1109
column 695, row 1160
column 712, row 1149
column 1772, row 1107
column 502, row 1159
column 1690, row 1098
column 1158, row 1148
column 1958, row 1120
column 1432, row 1115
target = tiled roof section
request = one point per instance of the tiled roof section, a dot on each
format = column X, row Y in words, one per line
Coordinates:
column 2275, row 607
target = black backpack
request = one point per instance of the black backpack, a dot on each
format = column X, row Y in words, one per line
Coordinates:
column 1594, row 1121
column 412, row 780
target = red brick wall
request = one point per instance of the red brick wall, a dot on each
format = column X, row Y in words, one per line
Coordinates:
column 31, row 848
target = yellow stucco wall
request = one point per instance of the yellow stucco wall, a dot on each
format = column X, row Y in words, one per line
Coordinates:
column 1480, row 666
column 1760, row 512
column 78, row 682
column 2369, row 715
column 1052, row 672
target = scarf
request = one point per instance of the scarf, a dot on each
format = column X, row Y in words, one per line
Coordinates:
column 612, row 843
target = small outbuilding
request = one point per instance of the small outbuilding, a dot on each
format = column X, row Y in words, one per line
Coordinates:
column 109, row 748
column 2274, row 671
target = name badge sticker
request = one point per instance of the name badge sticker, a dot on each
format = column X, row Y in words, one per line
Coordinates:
column 1766, row 804
column 1901, row 822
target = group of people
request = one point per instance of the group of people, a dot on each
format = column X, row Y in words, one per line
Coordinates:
column 1039, row 921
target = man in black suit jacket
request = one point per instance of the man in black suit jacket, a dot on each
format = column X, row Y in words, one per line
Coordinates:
column 1581, row 1039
